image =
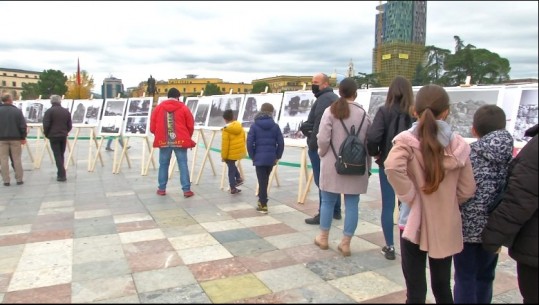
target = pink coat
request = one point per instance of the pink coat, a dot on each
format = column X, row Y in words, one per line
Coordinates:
column 434, row 222
column 332, row 130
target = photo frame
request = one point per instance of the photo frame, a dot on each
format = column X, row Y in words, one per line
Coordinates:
column 138, row 117
column 219, row 104
column 192, row 103
column 526, row 115
column 295, row 109
column 90, row 110
column 202, row 111
column 112, row 120
column 253, row 103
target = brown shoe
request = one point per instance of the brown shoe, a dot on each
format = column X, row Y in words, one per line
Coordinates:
column 321, row 240
column 344, row 246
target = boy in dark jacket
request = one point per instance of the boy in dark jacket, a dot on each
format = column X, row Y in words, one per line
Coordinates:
column 490, row 156
column 265, row 145
column 56, row 126
column 516, row 218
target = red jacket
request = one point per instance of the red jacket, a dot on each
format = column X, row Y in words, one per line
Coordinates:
column 172, row 125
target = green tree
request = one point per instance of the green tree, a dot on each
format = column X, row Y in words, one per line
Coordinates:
column 30, row 91
column 211, row 89
column 366, row 81
column 52, row 82
column 260, row 87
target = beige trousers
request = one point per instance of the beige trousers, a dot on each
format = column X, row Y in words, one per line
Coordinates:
column 15, row 148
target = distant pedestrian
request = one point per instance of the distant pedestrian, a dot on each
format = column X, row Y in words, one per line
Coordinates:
column 13, row 132
column 172, row 124
column 56, row 125
column 233, row 148
column 265, row 145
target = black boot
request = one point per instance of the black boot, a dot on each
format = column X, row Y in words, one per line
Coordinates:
column 313, row 221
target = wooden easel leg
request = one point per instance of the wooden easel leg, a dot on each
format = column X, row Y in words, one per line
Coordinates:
column 206, row 156
column 193, row 162
column 302, row 168
column 71, row 148
column 39, row 159
column 123, row 154
column 223, row 174
column 150, row 160
column 97, row 155
column 29, row 153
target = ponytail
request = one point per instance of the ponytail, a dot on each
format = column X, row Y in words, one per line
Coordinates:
column 431, row 150
column 340, row 109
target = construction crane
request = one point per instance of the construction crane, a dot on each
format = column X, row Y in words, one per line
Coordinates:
column 379, row 39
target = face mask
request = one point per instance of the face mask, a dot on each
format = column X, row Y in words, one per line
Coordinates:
column 315, row 88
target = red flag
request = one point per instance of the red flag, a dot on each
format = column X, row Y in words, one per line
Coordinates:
column 78, row 72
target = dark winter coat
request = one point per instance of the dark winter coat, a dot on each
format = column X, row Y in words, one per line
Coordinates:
column 516, row 216
column 57, row 122
column 265, row 142
column 324, row 99
column 12, row 123
column 490, row 156
column 387, row 123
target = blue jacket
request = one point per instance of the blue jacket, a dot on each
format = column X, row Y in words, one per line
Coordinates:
column 490, row 156
column 265, row 143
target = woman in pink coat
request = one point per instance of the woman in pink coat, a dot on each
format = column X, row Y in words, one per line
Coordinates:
column 430, row 170
column 332, row 185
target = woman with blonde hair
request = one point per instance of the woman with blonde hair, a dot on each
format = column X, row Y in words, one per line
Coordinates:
column 430, row 170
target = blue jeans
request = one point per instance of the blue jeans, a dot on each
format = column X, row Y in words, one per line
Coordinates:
column 164, row 162
column 474, row 274
column 388, row 207
column 233, row 173
column 315, row 164
column 351, row 203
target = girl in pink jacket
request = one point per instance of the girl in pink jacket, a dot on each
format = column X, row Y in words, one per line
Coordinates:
column 430, row 170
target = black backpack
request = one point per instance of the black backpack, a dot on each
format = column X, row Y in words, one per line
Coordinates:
column 352, row 157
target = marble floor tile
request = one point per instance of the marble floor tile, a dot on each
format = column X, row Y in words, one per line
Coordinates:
column 100, row 269
column 40, row 278
column 218, row 269
column 92, row 213
column 152, row 261
column 192, row 241
column 102, row 289
column 14, row 230
column 135, row 217
column 143, row 235
column 159, row 279
column 49, row 295
column 189, row 294
column 234, row 235
column 204, row 254
column 279, row 279
column 234, row 288
column 258, row 221
column 249, row 247
column 266, row 260
column 222, row 225
column 372, row 285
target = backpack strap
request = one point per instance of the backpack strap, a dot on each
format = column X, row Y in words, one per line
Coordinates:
column 346, row 129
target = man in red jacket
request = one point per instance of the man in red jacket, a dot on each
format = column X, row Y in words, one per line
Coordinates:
column 173, row 125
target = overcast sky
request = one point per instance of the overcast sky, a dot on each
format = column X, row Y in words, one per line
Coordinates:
column 242, row 41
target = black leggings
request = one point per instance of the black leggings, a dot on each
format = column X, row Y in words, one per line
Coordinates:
column 413, row 262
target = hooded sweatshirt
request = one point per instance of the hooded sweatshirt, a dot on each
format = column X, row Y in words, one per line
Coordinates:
column 490, row 156
column 233, row 142
column 434, row 222
column 172, row 124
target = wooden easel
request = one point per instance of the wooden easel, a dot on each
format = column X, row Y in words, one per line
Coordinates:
column 305, row 177
column 207, row 155
column 146, row 146
column 46, row 146
column 116, row 165
column 39, row 148
column 75, row 139
column 91, row 161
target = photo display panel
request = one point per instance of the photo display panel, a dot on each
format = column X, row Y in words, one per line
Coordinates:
column 86, row 112
column 219, row 104
column 138, row 116
column 294, row 111
column 202, row 111
column 526, row 115
column 113, row 117
column 253, row 103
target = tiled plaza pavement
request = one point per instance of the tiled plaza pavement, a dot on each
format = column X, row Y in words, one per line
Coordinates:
column 108, row 238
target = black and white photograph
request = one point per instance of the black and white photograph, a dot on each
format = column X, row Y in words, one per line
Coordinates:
column 294, row 111
column 139, row 106
column 21, row 105
column 253, row 103
column 111, row 125
column 527, row 115
column 93, row 111
column 34, row 111
column 113, row 116
column 136, row 126
column 463, row 102
column 219, row 104
column 202, row 111
column 376, row 100
column 191, row 103
column 77, row 115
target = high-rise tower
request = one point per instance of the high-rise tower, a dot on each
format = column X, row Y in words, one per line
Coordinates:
column 400, row 28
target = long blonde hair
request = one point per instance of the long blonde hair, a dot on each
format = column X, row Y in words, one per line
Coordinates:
column 431, row 102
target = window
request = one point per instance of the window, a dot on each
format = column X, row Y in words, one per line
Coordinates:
column 26, row 76
column 166, row 89
column 5, row 74
column 22, row 84
column 4, row 82
column 35, row 76
column 14, row 84
column 15, row 74
column 245, row 90
column 194, row 89
column 183, row 89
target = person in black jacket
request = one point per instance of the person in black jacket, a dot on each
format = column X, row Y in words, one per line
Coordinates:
column 324, row 98
column 56, row 126
column 514, row 221
column 391, row 119
column 12, row 137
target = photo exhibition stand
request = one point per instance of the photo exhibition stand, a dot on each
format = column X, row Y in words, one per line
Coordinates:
column 76, row 138
column 96, row 144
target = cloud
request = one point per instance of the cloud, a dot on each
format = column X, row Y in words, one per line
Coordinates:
column 241, row 41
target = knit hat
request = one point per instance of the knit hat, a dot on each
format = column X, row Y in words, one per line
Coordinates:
column 174, row 93
column 267, row 107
